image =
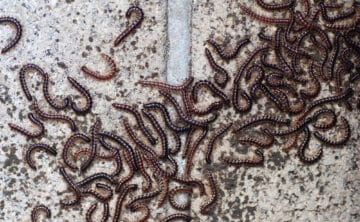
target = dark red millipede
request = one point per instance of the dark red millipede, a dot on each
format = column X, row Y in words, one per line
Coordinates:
column 194, row 148
column 38, row 146
column 177, row 216
column 140, row 16
column 95, row 177
column 217, row 135
column 175, row 191
column 339, row 142
column 122, row 183
column 277, row 21
column 276, row 7
column 26, row 132
column 73, row 186
column 260, row 119
column 301, row 151
column 97, row 75
column 258, row 160
column 118, row 206
column 94, row 143
column 36, row 210
column 139, row 120
column 164, row 192
column 214, row 196
column 15, row 40
column 166, row 86
column 160, row 131
column 90, row 212
column 142, row 169
column 212, row 87
column 69, row 142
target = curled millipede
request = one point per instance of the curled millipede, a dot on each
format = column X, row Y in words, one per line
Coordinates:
column 97, row 75
column 247, row 62
column 68, row 145
column 301, row 152
column 139, row 17
column 175, row 191
column 45, row 77
column 208, row 110
column 96, row 194
column 83, row 92
column 36, row 210
column 139, row 120
column 73, row 186
column 228, row 56
column 157, row 166
column 141, row 207
column 167, row 118
column 213, row 139
column 257, row 160
column 44, row 115
column 333, row 19
column 15, row 40
column 339, row 142
column 327, row 112
column 26, row 132
column 261, row 119
column 235, row 100
column 166, row 86
column 38, row 146
column 94, row 142
column 191, row 182
column 87, row 151
column 222, row 76
column 118, row 206
column 183, row 116
column 205, row 207
column 275, row 7
column 177, row 216
column 212, row 87
column 160, row 131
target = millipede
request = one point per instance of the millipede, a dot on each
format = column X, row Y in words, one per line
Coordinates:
column 139, row 17
column 38, row 146
column 69, row 142
column 139, row 120
column 222, row 76
column 205, row 206
column 44, row 115
column 258, row 159
column 36, row 210
column 26, row 132
column 217, row 135
column 94, row 142
column 175, row 191
column 88, row 105
column 227, row 56
column 97, row 75
column 166, row 86
column 18, row 27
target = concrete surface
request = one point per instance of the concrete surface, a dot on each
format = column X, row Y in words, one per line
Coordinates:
column 61, row 36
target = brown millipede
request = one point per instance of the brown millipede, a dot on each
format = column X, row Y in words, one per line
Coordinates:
column 127, row 188
column 177, row 216
column 275, row 7
column 260, row 119
column 205, row 207
column 15, row 40
column 26, row 132
column 97, row 75
column 175, row 191
column 139, row 17
column 35, row 212
column 276, row 21
column 212, row 87
column 166, row 86
column 68, row 145
column 139, row 120
column 258, row 160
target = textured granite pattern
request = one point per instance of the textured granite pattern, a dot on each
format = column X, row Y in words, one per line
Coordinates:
column 61, row 36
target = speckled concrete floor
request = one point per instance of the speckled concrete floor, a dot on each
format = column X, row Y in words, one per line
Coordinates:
column 61, row 36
